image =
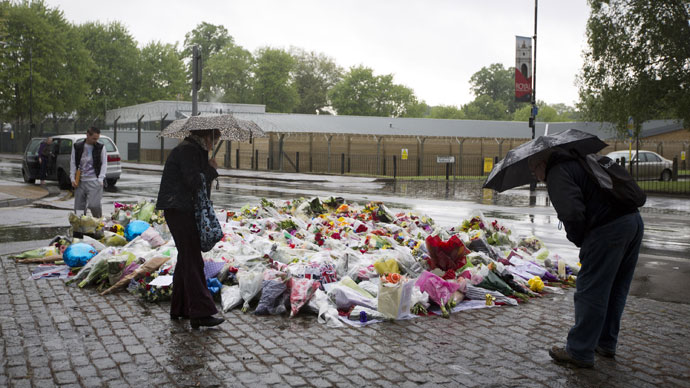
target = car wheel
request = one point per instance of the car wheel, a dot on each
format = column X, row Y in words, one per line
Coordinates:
column 63, row 180
column 110, row 182
column 27, row 177
column 666, row 175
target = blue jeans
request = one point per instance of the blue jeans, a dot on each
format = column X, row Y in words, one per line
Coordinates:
column 608, row 257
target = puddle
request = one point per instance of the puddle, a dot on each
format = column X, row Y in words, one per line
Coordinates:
column 18, row 233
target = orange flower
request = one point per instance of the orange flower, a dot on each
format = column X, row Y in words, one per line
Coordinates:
column 393, row 278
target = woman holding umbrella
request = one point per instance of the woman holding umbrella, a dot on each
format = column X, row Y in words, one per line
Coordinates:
column 180, row 182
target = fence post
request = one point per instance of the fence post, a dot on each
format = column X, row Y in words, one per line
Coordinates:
column 162, row 144
column 228, row 154
column 675, row 169
column 329, row 152
column 349, row 159
column 115, row 130
column 384, row 166
column 256, row 160
column 139, row 138
column 447, row 170
column 297, row 161
column 237, row 158
column 395, row 167
column 342, row 164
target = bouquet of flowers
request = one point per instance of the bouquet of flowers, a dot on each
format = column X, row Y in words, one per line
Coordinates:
column 149, row 293
column 446, row 255
column 439, row 290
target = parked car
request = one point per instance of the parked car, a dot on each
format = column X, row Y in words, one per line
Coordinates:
column 58, row 170
column 652, row 166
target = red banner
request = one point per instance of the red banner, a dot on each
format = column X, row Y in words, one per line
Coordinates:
column 523, row 69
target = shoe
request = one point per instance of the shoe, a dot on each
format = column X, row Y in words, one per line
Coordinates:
column 605, row 352
column 206, row 321
column 175, row 317
column 561, row 356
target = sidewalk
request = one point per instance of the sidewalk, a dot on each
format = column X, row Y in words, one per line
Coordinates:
column 53, row 335
column 19, row 194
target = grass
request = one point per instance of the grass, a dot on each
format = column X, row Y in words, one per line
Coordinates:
column 679, row 187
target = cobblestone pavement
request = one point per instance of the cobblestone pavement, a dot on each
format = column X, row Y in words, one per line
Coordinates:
column 53, row 335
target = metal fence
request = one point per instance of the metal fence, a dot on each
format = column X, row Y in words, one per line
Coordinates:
column 673, row 179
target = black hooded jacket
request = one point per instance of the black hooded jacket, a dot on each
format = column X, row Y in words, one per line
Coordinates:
column 181, row 181
column 579, row 201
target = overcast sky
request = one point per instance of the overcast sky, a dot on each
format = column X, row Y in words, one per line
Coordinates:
column 431, row 46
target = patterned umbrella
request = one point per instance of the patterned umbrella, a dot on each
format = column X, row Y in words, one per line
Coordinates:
column 230, row 127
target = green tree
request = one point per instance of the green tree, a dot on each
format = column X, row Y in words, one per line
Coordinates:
column 162, row 72
column 211, row 39
column 419, row 109
column 314, row 75
column 273, row 84
column 42, row 58
column 116, row 79
column 546, row 114
column 485, row 108
column 637, row 62
column 498, row 83
column 228, row 75
column 362, row 93
column 446, row 112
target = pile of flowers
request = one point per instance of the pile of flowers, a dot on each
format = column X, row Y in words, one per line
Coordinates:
column 343, row 261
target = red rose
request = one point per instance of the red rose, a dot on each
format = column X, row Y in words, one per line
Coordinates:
column 148, row 287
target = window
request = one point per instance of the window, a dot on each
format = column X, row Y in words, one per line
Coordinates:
column 652, row 158
column 32, row 149
column 65, row 146
column 109, row 146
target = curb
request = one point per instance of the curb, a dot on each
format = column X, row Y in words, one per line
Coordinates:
column 14, row 202
column 225, row 173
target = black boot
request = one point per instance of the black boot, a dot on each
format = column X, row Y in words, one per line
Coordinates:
column 206, row 321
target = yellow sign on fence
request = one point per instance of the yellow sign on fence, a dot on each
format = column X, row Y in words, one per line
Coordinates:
column 488, row 165
column 403, row 154
column 682, row 155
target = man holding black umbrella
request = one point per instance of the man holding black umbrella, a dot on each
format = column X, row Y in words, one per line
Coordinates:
column 609, row 236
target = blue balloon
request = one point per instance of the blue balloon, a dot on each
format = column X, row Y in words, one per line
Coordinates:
column 135, row 228
column 77, row 255
column 213, row 285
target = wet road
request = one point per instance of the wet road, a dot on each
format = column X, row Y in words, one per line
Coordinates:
column 662, row 274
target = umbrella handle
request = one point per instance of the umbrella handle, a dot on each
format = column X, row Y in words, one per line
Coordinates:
column 217, row 149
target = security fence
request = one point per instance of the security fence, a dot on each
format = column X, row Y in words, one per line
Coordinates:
column 663, row 167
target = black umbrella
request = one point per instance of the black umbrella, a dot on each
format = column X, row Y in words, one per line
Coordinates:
column 513, row 171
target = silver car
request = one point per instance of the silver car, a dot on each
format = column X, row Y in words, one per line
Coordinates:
column 61, row 152
column 652, row 166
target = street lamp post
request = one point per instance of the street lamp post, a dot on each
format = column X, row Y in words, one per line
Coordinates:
column 535, row 110
column 31, row 95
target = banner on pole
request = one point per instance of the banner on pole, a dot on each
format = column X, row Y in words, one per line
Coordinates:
column 523, row 69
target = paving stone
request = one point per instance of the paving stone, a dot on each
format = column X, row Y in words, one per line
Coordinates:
column 67, row 336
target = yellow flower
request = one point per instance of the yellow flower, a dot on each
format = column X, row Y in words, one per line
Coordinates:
column 536, row 284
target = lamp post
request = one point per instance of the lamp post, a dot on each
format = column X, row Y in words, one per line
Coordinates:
column 535, row 110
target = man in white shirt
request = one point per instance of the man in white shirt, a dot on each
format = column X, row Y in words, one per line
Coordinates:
column 91, row 159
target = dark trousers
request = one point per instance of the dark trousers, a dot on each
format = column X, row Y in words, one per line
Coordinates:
column 190, row 296
column 43, row 169
column 608, row 257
